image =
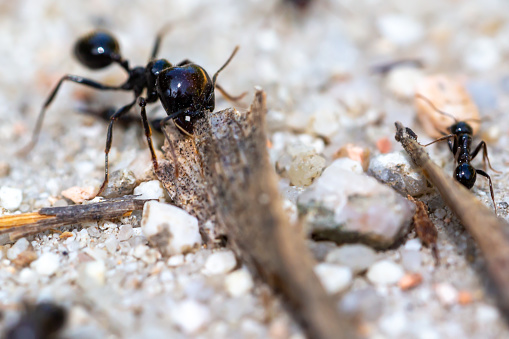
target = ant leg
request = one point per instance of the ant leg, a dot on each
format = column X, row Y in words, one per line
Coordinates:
column 148, row 132
column 109, row 137
column 484, row 174
column 484, row 155
column 40, row 118
column 159, row 37
column 228, row 96
column 447, row 137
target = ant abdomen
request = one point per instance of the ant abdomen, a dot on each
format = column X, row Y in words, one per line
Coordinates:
column 465, row 174
column 97, row 49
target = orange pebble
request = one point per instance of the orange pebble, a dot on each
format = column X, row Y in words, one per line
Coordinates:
column 384, row 145
column 409, row 281
column 465, row 297
column 66, row 235
column 354, row 152
column 447, row 95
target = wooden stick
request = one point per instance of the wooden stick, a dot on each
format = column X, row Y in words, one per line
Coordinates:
column 242, row 190
column 21, row 225
column 490, row 232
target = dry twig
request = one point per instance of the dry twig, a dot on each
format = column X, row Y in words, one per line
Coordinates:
column 237, row 187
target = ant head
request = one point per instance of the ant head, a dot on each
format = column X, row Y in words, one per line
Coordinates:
column 461, row 127
column 465, row 174
column 97, row 49
column 153, row 68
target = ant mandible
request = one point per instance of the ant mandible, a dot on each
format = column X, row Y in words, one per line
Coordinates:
column 460, row 142
column 185, row 90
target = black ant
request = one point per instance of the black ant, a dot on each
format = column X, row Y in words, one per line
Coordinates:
column 460, row 142
column 41, row 321
column 186, row 91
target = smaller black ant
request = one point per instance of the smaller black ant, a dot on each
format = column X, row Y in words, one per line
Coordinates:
column 186, row 91
column 460, row 142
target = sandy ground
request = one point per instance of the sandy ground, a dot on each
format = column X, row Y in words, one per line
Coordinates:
column 315, row 66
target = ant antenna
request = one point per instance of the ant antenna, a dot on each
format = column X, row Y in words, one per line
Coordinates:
column 225, row 64
column 420, row 96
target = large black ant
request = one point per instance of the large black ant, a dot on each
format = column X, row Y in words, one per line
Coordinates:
column 185, row 90
column 460, row 142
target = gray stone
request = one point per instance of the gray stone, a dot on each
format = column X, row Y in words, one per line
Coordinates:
column 121, row 182
column 395, row 170
column 365, row 303
column 343, row 207
column 357, row 257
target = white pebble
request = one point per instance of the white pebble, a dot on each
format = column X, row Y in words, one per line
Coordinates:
column 238, row 283
column 95, row 272
column 111, row 244
column 334, row 278
column 190, row 315
column 125, row 233
column 402, row 81
column 446, row 293
column 176, row 260
column 413, row 245
column 394, row 324
column 356, row 256
column 47, row 264
column 171, row 229
column 400, row 29
column 411, row 260
column 219, row 263
column 27, row 276
column 10, row 198
column 384, row 272
column 20, row 246
column 150, row 190
column 486, row 314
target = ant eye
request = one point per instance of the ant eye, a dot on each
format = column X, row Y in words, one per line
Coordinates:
column 97, row 49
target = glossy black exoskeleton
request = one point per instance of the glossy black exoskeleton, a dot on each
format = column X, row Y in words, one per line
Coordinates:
column 186, row 91
column 460, row 143
column 42, row 321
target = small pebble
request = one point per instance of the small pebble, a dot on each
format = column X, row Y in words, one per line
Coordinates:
column 20, row 246
column 176, row 260
column 304, row 168
column 334, row 278
column 357, row 257
column 411, row 260
column 10, row 198
column 413, row 244
column 401, row 81
column 94, row 232
column 409, row 281
column 394, row 324
column 27, row 276
column 150, row 190
column 446, row 293
column 190, row 315
column 486, row 314
column 125, row 233
column 5, row 169
column 384, row 272
column 465, row 297
column 47, row 264
column 400, row 29
column 95, row 272
column 171, row 229
column 121, row 182
column 111, row 244
column 79, row 194
column 219, row 263
column 239, row 283
column 440, row 213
